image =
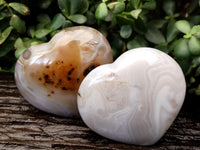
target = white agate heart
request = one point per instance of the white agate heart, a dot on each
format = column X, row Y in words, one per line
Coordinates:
column 48, row 75
column 135, row 99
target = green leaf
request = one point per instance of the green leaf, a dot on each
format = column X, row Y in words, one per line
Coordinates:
column 195, row 29
column 155, row 36
column 116, row 7
column 194, row 46
column 43, row 18
column 157, row 23
column 149, row 4
column 187, row 36
column 135, row 13
column 101, row 11
column 172, row 32
column 64, row 6
column 183, row 26
column 71, row 7
column 163, row 47
column 90, row 18
column 18, row 24
column 31, row 31
column 109, row 17
column 5, row 48
column 124, row 19
column 78, row 18
column 169, row 7
column 181, row 50
column 34, row 42
column 197, row 73
column 194, row 19
column 138, row 41
column 185, row 64
column 19, row 51
column 74, row 6
column 5, row 34
column 135, row 4
column 67, row 24
column 125, row 31
column 44, row 4
column 57, row 22
column 84, row 6
column 40, row 33
column 19, row 43
column 117, row 45
column 20, row 8
column 140, row 26
column 53, row 33
column 133, row 44
column 1, row 2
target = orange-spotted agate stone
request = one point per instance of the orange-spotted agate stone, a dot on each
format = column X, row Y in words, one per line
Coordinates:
column 48, row 75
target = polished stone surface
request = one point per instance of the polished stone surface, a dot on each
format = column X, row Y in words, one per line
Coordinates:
column 135, row 99
column 48, row 75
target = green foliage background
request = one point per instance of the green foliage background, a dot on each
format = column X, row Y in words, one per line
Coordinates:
column 171, row 26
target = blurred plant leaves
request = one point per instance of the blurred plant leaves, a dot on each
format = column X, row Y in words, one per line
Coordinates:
column 194, row 46
column 18, row 24
column 149, row 4
column 20, row 8
column 90, row 18
column 172, row 31
column 181, row 50
column 117, row 45
column 6, row 47
column 43, row 18
column 64, row 6
column 19, row 43
column 57, row 22
column 135, row 4
column 1, row 2
column 72, row 7
column 4, row 35
column 101, row 11
column 158, row 23
column 78, row 18
column 44, row 4
column 40, row 33
column 135, row 13
column 116, row 7
column 84, row 5
column 195, row 29
column 155, row 36
column 183, row 26
column 169, row 7
column 19, row 51
column 125, row 31
column 67, row 23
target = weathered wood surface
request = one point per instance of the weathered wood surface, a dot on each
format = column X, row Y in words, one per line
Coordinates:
column 25, row 127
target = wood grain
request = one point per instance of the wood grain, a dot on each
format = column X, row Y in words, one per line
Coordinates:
column 24, row 127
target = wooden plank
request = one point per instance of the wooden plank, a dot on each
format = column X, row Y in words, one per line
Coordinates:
column 24, row 127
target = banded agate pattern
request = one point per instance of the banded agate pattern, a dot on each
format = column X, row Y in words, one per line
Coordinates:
column 135, row 99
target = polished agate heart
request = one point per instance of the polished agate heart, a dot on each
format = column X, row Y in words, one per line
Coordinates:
column 135, row 99
column 48, row 75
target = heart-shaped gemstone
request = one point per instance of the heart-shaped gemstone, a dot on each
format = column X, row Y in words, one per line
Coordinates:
column 48, row 75
column 135, row 99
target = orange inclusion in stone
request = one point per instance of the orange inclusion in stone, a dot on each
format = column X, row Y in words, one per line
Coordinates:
column 62, row 72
